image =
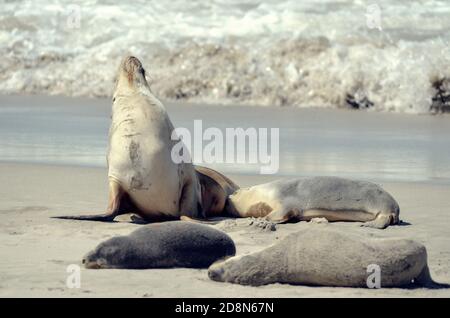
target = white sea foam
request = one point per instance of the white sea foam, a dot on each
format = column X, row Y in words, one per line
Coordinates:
column 385, row 55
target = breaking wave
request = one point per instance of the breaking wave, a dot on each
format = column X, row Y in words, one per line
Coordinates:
column 392, row 56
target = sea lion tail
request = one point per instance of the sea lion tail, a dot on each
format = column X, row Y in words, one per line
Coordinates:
column 97, row 217
column 425, row 280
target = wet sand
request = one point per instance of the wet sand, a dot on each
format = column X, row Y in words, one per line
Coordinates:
column 369, row 145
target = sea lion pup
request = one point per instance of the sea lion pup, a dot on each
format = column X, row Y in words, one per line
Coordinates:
column 141, row 172
column 326, row 257
column 162, row 245
column 335, row 199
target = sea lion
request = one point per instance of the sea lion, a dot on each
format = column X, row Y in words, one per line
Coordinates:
column 142, row 175
column 162, row 245
column 326, row 257
column 228, row 185
column 333, row 198
column 215, row 190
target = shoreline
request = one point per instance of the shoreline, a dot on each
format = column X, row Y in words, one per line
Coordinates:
column 218, row 105
column 312, row 141
column 249, row 177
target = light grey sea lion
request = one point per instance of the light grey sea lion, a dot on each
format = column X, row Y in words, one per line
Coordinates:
column 335, row 199
column 325, row 257
column 143, row 178
column 162, row 245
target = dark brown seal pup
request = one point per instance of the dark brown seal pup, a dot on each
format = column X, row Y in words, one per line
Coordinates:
column 162, row 245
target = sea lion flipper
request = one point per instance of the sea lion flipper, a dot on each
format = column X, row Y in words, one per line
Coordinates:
column 380, row 222
column 97, row 217
column 279, row 216
column 211, row 221
column 425, row 280
column 119, row 203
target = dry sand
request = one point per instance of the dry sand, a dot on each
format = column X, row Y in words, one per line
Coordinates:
column 36, row 249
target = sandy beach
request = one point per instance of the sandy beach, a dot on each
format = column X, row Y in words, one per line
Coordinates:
column 351, row 89
column 36, row 249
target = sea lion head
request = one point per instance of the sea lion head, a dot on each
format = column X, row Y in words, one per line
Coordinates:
column 213, row 196
column 107, row 254
column 131, row 75
column 237, row 269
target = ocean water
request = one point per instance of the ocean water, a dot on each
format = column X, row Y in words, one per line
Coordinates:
column 385, row 55
column 362, row 145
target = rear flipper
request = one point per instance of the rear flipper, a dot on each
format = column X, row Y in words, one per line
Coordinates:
column 425, row 280
column 283, row 216
column 382, row 221
column 119, row 203
column 211, row 221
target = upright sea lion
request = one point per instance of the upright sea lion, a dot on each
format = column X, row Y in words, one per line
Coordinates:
column 335, row 199
column 168, row 244
column 326, row 257
column 142, row 175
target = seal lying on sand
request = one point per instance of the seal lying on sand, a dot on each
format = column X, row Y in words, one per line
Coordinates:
column 160, row 245
column 326, row 257
column 333, row 198
column 143, row 178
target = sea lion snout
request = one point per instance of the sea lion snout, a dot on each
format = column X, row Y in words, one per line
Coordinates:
column 105, row 255
column 92, row 261
column 131, row 63
column 216, row 272
column 133, row 70
column 99, row 263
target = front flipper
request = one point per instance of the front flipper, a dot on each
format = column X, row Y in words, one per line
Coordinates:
column 282, row 216
column 382, row 221
column 119, row 203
